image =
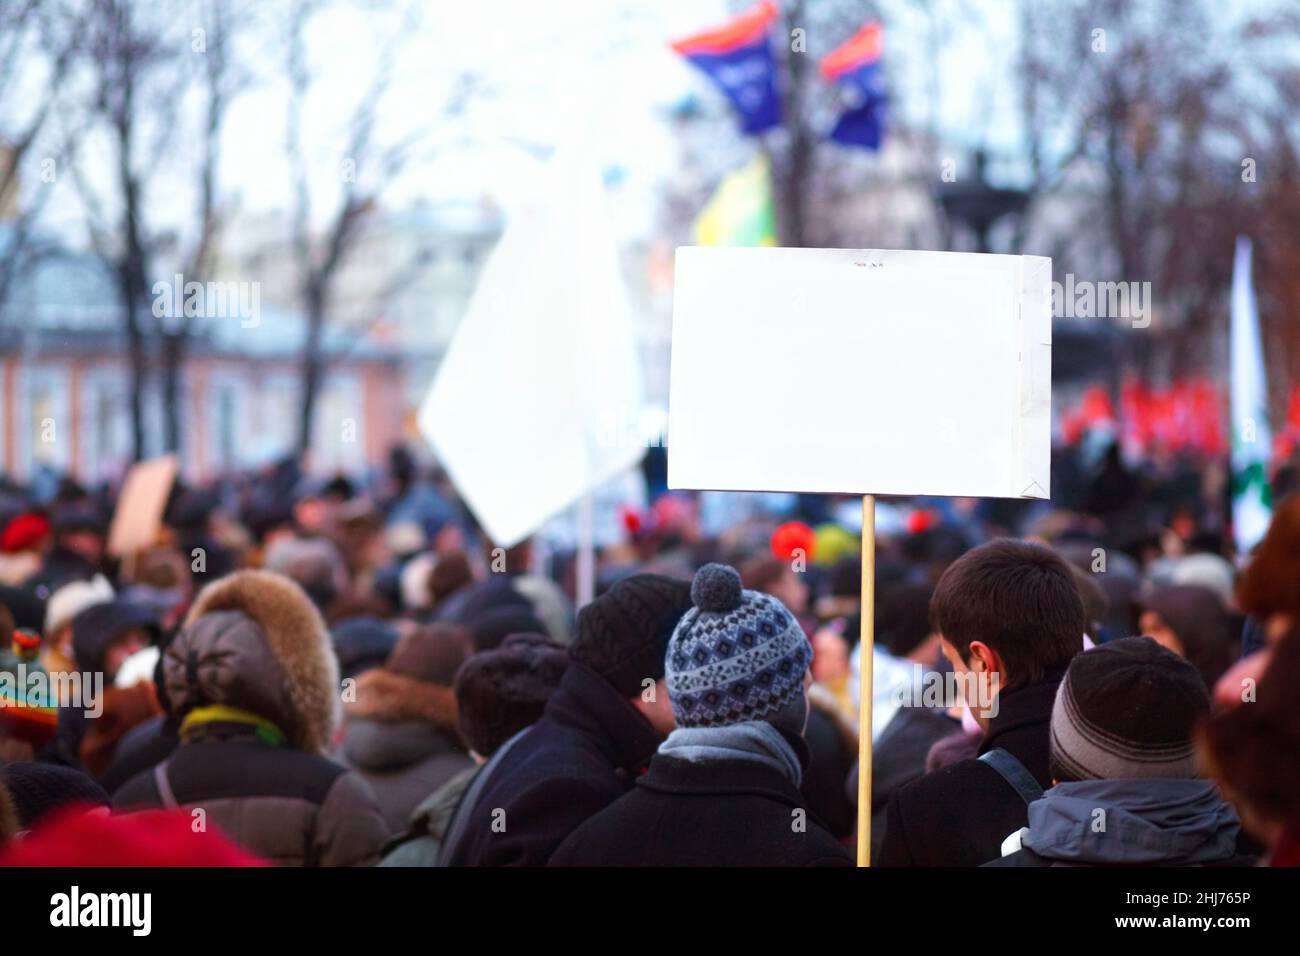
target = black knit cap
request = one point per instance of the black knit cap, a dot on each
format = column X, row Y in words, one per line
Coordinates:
column 38, row 789
column 502, row 691
column 623, row 634
column 1126, row 709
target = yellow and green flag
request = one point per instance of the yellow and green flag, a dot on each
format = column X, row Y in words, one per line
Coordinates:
column 740, row 213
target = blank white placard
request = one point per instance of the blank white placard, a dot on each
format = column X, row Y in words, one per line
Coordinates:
column 861, row 371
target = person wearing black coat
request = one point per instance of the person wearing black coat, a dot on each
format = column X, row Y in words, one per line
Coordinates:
column 719, row 813
column 959, row 815
column 598, row 732
column 1011, row 618
column 723, row 788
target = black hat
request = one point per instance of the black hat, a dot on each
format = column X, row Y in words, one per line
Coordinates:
column 1127, row 708
column 493, row 626
column 100, row 624
column 362, row 643
column 500, row 692
column 68, row 519
column 36, row 789
column 623, row 634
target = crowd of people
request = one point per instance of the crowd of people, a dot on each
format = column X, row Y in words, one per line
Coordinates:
column 342, row 672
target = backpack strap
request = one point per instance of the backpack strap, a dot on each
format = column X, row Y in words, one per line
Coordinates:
column 164, row 785
column 459, row 822
column 1013, row 772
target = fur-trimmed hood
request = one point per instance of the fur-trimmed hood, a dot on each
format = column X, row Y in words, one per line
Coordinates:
column 253, row 640
column 397, row 721
column 390, row 698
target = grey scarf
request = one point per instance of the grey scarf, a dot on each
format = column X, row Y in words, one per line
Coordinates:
column 753, row 740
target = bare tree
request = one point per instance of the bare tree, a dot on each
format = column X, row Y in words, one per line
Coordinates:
column 219, row 82
column 43, row 37
column 125, row 57
column 368, row 169
column 142, row 66
column 1149, row 114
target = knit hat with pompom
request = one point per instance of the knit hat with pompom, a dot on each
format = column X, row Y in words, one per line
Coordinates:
column 737, row 655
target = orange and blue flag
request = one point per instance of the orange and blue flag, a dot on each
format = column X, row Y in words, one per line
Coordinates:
column 856, row 68
column 738, row 57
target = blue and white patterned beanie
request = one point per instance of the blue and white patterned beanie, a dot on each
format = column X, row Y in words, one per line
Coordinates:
column 736, row 655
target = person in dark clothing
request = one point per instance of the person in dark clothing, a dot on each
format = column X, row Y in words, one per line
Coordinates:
column 723, row 789
column 898, row 757
column 103, row 637
column 1126, row 791
column 498, row 694
column 1010, row 618
column 1191, row 621
column 832, row 753
column 899, row 751
column 599, row 730
column 400, row 731
column 143, row 746
column 77, row 552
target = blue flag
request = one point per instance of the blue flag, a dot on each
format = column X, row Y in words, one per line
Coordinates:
column 738, row 57
column 856, row 68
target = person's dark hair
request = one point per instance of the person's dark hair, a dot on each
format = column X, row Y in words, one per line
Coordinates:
column 432, row 653
column 903, row 617
column 1254, row 748
column 1095, row 602
column 500, row 692
column 1017, row 597
column 846, row 578
column 1210, row 638
column 761, row 572
column 450, row 573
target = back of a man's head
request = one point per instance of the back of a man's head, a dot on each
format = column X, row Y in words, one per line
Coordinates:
column 1017, row 597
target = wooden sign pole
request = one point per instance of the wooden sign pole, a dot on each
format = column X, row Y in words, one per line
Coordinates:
column 866, row 648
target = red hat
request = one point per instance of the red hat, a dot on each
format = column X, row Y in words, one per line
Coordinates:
column 24, row 532
column 921, row 520
column 791, row 537
column 76, row 837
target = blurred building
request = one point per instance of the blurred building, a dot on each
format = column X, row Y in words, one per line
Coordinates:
column 411, row 273
column 65, row 381
column 404, row 283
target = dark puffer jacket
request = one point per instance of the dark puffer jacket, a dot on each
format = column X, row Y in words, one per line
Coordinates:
column 254, row 680
column 400, row 734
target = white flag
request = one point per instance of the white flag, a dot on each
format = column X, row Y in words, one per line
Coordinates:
column 540, row 394
column 1251, row 441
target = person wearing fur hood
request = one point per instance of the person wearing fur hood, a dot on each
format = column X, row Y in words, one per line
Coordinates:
column 254, row 681
column 399, row 730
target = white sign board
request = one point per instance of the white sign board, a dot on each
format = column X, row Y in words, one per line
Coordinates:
column 539, row 396
column 861, row 371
